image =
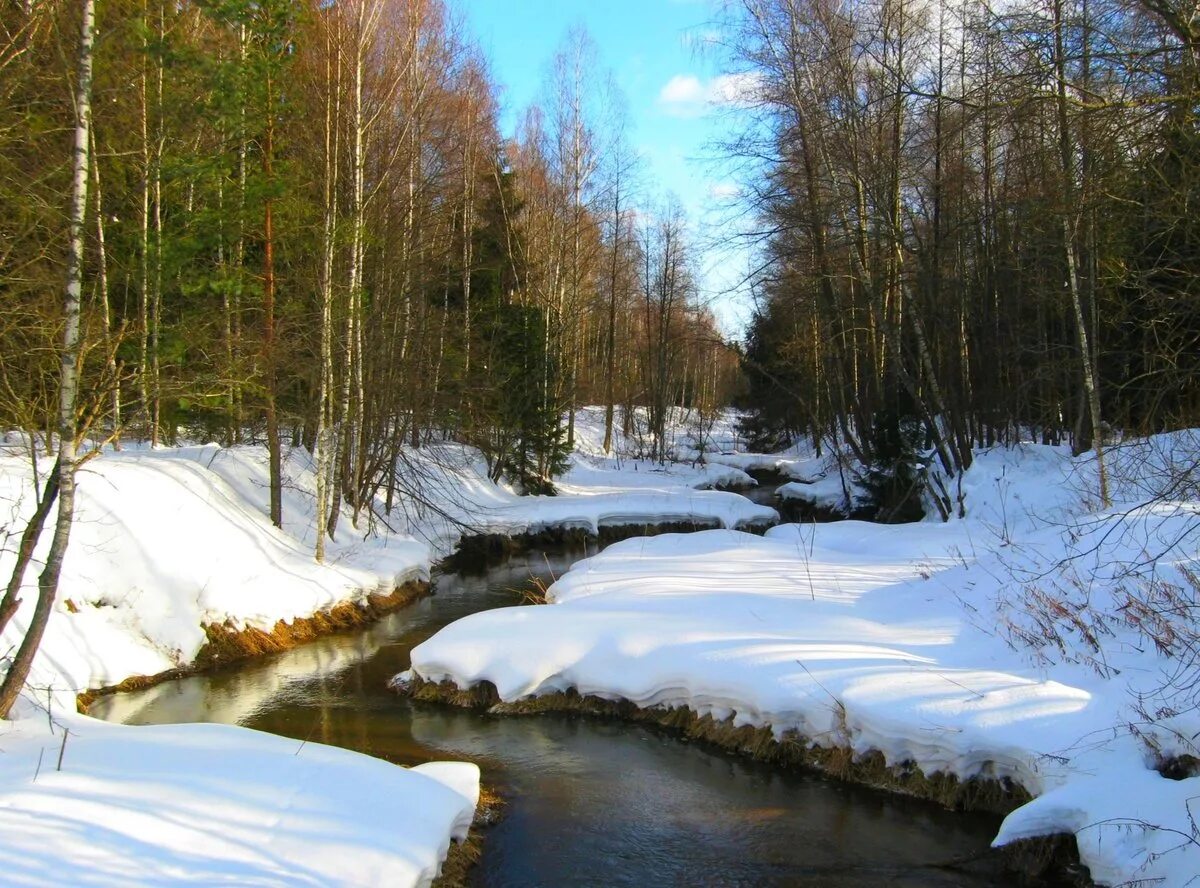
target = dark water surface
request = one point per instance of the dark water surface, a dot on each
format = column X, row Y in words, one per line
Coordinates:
column 763, row 494
column 589, row 802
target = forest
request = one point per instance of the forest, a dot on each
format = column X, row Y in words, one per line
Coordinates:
column 976, row 222
column 347, row 402
column 303, row 225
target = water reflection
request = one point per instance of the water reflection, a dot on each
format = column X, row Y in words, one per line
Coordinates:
column 591, row 802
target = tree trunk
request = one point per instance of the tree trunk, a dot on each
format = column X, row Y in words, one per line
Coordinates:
column 29, row 539
column 324, row 438
column 105, row 307
column 274, row 454
column 64, row 468
column 610, row 369
column 1086, row 358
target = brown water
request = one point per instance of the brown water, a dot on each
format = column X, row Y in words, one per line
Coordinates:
column 590, row 802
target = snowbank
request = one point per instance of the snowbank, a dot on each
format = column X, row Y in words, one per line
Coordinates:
column 165, row 541
column 210, row 804
column 936, row 644
column 829, row 495
column 169, row 540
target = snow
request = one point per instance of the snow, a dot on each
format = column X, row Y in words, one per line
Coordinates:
column 927, row 642
column 169, row 539
column 166, row 540
column 211, row 804
column 828, row 493
column 1041, row 638
column 799, row 462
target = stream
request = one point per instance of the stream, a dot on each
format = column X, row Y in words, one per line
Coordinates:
column 589, row 802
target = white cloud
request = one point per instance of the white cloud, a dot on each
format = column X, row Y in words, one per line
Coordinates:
column 682, row 89
column 685, row 95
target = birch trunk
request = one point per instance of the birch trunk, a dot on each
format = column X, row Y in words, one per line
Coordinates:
column 610, row 369
column 1086, row 358
column 65, row 467
column 324, row 438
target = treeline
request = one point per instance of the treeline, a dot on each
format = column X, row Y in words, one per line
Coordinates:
column 303, row 226
column 977, row 220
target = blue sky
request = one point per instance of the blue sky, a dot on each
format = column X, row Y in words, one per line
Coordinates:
column 655, row 50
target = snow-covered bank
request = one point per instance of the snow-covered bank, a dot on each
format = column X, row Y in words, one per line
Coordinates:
column 832, row 497
column 169, row 541
column 798, row 465
column 165, row 543
column 210, row 804
column 1008, row 644
column 171, row 548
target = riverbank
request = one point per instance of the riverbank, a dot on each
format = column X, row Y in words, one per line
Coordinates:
column 174, row 569
column 90, row 803
column 1007, row 646
column 688, row 813
column 173, row 563
column 1049, row 859
column 228, row 644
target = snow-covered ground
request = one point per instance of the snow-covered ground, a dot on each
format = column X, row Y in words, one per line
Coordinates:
column 797, row 464
column 170, row 539
column 211, row 804
column 1041, row 638
column 834, row 493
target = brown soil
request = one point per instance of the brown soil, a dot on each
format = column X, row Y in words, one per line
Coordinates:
column 227, row 644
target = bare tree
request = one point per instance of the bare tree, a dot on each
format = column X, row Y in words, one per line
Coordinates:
column 65, row 466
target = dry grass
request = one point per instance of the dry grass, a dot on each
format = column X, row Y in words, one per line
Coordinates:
column 227, row 644
column 461, row 858
column 1051, row 860
column 134, row 683
column 1178, row 767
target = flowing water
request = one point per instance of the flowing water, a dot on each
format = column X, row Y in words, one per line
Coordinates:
column 590, row 802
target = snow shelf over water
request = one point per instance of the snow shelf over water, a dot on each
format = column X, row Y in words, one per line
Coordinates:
column 903, row 639
column 211, row 804
column 170, row 539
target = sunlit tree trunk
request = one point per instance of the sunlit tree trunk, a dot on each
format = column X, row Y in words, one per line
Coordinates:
column 64, row 468
column 274, row 451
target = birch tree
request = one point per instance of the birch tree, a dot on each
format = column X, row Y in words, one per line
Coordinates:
column 66, row 464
